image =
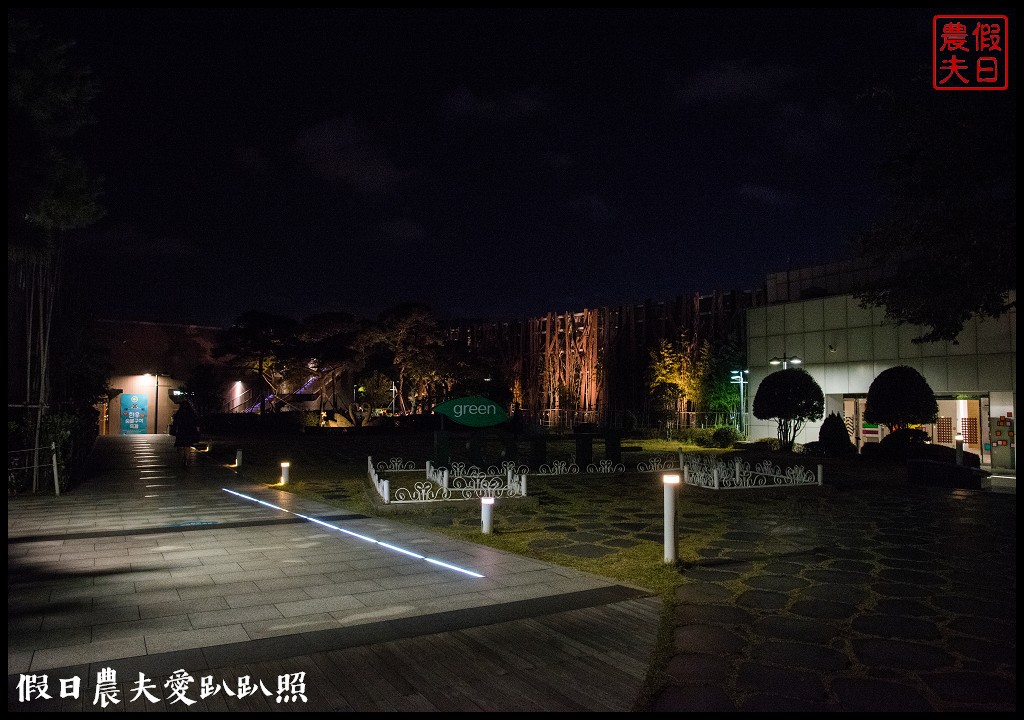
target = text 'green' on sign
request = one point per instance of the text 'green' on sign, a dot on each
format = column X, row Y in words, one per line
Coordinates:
column 473, row 411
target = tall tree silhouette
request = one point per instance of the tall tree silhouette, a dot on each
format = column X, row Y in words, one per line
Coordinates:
column 257, row 341
column 945, row 251
column 49, row 194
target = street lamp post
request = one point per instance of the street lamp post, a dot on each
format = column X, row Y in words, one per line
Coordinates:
column 785, row 361
column 156, row 406
column 739, row 379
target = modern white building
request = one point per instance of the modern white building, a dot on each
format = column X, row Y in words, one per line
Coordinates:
column 845, row 346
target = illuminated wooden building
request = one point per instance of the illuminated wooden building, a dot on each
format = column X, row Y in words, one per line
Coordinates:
column 591, row 365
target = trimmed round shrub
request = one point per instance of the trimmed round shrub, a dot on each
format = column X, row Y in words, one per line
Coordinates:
column 833, row 438
column 872, row 451
column 792, row 397
column 911, row 444
column 897, row 445
column 699, row 436
column 815, row 448
column 900, row 396
column 943, row 454
column 725, row 436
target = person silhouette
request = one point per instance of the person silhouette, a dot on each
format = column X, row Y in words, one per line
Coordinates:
column 185, row 429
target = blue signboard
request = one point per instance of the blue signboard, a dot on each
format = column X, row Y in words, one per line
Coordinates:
column 134, row 409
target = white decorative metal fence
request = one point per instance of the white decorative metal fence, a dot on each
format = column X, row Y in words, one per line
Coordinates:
column 466, row 482
column 713, row 472
column 459, row 482
column 659, row 463
column 569, row 467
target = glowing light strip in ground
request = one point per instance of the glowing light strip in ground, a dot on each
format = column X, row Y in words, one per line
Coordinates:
column 357, row 535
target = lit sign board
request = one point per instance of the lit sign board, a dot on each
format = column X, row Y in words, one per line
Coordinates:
column 473, row 411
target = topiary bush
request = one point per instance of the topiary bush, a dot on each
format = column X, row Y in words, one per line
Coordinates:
column 725, row 436
column 701, row 437
column 833, row 438
column 942, row 454
column 766, row 443
column 912, row 444
column 792, row 397
column 897, row 445
column 900, row 396
column 872, row 451
column 815, row 448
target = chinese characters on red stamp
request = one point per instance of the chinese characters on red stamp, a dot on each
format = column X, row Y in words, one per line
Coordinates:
column 969, row 52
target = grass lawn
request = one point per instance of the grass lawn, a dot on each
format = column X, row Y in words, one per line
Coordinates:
column 610, row 525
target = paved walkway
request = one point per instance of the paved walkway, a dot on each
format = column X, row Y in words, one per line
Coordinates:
column 841, row 599
column 153, row 568
column 856, row 599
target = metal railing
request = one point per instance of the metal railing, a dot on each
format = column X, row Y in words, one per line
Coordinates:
column 565, row 418
column 19, row 461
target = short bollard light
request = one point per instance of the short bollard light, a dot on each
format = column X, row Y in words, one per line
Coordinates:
column 959, row 449
column 284, row 472
column 486, row 515
column 238, row 458
column 671, row 482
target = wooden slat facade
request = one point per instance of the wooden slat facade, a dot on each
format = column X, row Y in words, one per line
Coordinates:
column 591, row 365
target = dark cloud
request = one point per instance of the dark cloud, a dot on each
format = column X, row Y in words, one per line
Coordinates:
column 595, row 209
column 465, row 104
column 337, row 149
column 524, row 105
column 735, row 84
column 557, row 160
column 766, row 195
column 402, row 231
column 406, row 150
column 804, row 130
column 144, row 243
column 252, row 158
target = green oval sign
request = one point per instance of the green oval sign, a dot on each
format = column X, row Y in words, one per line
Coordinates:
column 473, row 411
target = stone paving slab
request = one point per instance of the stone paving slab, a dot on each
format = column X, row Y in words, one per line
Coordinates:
column 893, row 600
column 239, row 584
column 905, row 602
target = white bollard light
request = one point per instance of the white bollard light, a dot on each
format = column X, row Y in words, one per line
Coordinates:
column 238, row 458
column 959, row 449
column 285, row 466
column 486, row 515
column 671, row 482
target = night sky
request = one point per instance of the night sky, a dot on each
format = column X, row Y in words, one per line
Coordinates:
column 492, row 164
